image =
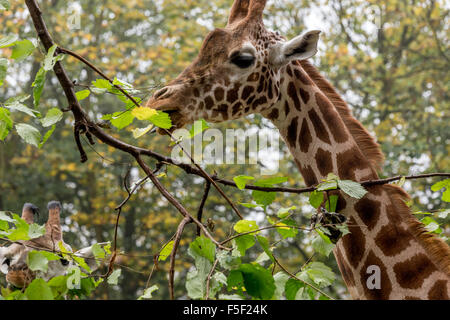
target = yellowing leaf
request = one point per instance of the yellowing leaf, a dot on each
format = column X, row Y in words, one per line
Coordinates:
column 143, row 113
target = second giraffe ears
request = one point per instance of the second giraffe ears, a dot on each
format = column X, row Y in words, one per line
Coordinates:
column 300, row 48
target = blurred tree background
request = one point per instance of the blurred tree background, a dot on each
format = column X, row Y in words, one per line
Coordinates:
column 389, row 59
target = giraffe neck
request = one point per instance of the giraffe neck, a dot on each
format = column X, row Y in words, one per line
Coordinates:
column 385, row 240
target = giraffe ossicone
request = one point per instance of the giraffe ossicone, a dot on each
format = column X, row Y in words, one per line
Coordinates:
column 245, row 68
column 13, row 258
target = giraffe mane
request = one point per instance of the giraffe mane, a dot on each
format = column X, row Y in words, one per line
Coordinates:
column 435, row 247
column 369, row 147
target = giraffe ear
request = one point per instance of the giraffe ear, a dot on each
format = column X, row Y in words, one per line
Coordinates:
column 239, row 11
column 300, row 48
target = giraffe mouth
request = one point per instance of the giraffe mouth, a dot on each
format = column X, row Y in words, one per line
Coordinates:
column 176, row 118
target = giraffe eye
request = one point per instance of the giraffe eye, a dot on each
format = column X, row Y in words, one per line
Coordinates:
column 243, row 61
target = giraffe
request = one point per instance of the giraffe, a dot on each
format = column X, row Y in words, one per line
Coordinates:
column 13, row 259
column 243, row 69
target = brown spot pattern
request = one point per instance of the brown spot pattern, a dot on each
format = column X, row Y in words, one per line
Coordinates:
column 332, row 118
column 304, row 137
column 219, row 94
column 439, row 291
column 305, row 95
column 354, row 243
column 209, row 102
column 292, row 92
column 319, row 127
column 348, row 161
column 307, row 174
column 292, row 132
column 393, row 239
column 412, row 272
column 369, row 211
column 385, row 284
column 345, row 269
column 273, row 115
column 246, row 92
column 324, row 161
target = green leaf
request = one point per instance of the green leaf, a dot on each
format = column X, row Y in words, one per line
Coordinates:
column 29, row 134
column 50, row 59
column 198, row 127
column 227, row 260
column 241, row 181
column 320, row 273
column 148, row 292
column 47, row 135
column 258, row 281
column 38, row 86
column 4, row 5
column 5, row 217
column 235, row 280
column 331, row 203
column 243, row 226
column 280, row 282
column 353, row 189
column 36, row 261
column 17, row 105
column 431, row 225
column 83, row 94
column 263, row 198
column 102, row 84
column 3, row 70
column 53, row 116
column 291, row 288
column 114, row 277
column 39, row 290
column 264, row 243
column 82, row 263
column 8, row 41
column 22, row 49
column 35, row 231
column 165, row 251
column 98, row 252
column 250, row 205
column 242, row 244
column 196, row 279
column 59, row 286
column 204, row 247
column 284, row 212
column 161, row 120
column 316, row 198
column 322, row 244
column 443, row 213
column 122, row 119
column 6, row 123
column 327, row 185
column 271, row 181
column 443, row 184
column 287, row 232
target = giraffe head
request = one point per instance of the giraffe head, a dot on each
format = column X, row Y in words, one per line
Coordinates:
column 237, row 72
column 13, row 259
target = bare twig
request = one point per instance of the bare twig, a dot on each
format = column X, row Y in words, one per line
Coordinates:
column 208, row 278
column 202, row 204
column 173, row 253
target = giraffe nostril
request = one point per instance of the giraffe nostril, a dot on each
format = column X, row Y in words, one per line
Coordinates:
column 160, row 92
